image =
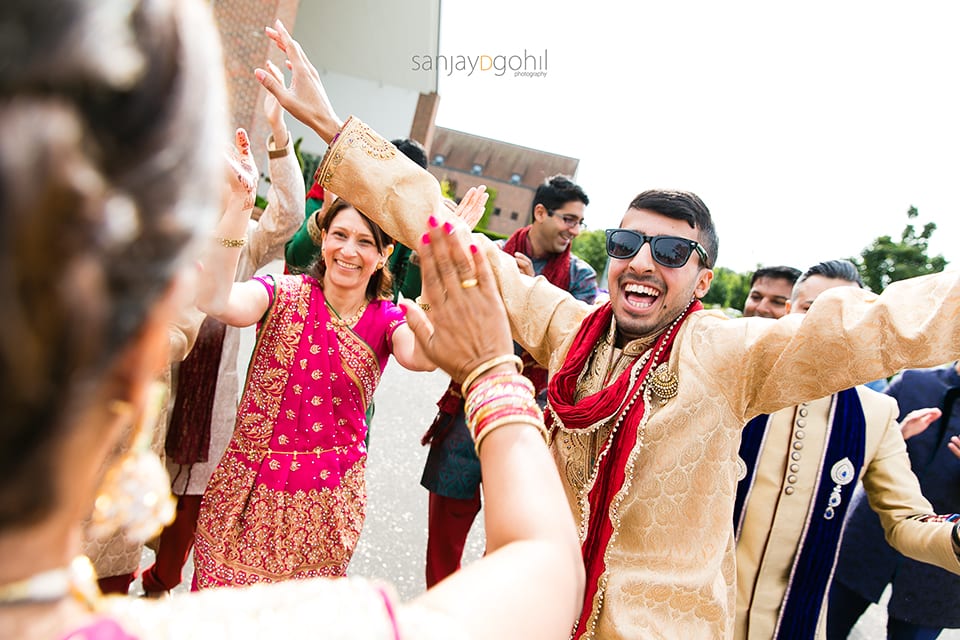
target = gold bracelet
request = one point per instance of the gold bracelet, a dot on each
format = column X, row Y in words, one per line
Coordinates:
column 486, row 366
column 232, row 243
column 275, row 153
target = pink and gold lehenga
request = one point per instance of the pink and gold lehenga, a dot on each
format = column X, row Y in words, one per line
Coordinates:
column 288, row 497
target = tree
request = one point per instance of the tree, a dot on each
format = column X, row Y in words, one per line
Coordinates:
column 885, row 261
column 592, row 247
column 728, row 290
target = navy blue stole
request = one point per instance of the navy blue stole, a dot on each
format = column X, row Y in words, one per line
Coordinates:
column 817, row 549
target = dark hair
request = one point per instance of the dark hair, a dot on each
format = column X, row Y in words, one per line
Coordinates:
column 779, row 272
column 412, row 149
column 557, row 191
column 687, row 206
column 111, row 130
column 380, row 286
column 835, row 270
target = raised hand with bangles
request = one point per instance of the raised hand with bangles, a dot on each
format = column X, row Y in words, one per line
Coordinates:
column 529, row 583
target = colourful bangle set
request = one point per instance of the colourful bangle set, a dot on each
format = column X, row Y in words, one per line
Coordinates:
column 499, row 400
column 490, row 364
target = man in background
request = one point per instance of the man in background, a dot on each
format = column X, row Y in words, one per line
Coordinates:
column 770, row 290
column 798, row 470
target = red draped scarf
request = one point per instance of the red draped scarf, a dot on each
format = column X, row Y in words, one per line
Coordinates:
column 610, row 472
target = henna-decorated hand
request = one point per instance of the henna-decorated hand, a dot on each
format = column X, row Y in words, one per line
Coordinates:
column 242, row 173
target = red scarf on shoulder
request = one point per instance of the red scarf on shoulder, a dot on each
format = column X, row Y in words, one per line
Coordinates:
column 557, row 273
column 557, row 270
column 610, row 473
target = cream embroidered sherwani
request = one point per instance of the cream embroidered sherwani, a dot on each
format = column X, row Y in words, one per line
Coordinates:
column 784, row 484
column 671, row 563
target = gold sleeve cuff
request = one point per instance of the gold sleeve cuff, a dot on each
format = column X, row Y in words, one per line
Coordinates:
column 368, row 171
column 314, row 229
column 353, row 134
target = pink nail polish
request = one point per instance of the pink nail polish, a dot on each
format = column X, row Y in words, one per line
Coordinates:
column 474, row 249
column 425, row 239
column 448, row 227
column 432, row 221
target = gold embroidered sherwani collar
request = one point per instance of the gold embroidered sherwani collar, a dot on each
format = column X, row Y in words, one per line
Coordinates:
column 609, row 361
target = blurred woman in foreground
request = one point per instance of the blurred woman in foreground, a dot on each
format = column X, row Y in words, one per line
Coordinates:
column 111, row 137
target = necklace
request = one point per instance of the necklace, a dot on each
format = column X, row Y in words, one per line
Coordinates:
column 337, row 321
column 78, row 580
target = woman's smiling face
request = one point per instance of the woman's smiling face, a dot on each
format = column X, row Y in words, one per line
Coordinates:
column 350, row 251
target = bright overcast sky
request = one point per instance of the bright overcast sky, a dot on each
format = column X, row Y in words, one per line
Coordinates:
column 808, row 130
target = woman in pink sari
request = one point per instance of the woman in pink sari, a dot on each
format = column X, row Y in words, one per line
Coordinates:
column 288, row 497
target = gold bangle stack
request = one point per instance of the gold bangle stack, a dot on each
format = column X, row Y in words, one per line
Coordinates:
column 490, row 364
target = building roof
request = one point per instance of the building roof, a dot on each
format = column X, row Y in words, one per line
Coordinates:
column 497, row 159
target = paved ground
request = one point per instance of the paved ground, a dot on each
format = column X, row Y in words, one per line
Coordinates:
column 393, row 543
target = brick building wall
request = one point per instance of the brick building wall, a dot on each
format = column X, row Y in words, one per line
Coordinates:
column 245, row 47
column 515, row 172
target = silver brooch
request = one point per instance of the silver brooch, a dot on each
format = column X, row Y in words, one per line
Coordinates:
column 842, row 474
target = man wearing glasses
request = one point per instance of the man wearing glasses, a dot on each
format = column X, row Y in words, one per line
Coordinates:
column 649, row 392
column 452, row 470
column 799, row 467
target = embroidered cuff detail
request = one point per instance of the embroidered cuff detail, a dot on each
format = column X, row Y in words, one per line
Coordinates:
column 354, row 133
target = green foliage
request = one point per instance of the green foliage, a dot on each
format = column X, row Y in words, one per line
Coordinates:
column 447, row 190
column 493, row 235
column 308, row 163
column 487, row 209
column 592, row 247
column 885, row 260
column 729, row 289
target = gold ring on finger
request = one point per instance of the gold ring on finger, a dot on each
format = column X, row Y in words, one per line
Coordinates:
column 469, row 282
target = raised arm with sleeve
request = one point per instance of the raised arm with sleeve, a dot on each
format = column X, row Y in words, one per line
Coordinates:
column 237, row 304
column 848, row 337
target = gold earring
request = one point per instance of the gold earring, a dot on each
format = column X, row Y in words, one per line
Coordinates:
column 135, row 496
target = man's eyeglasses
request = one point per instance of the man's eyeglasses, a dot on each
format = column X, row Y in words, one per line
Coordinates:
column 670, row 251
column 571, row 221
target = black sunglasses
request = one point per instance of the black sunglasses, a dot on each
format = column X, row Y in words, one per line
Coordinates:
column 670, row 251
